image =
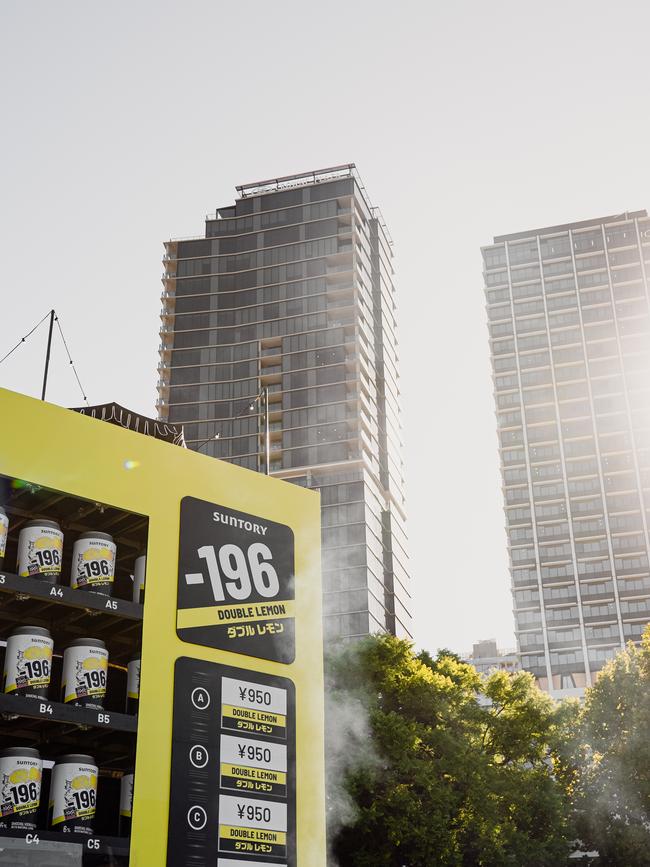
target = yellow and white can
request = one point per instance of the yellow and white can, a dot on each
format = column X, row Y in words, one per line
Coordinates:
column 73, row 794
column 40, row 550
column 85, row 673
column 4, row 530
column 93, row 563
column 28, row 662
column 21, row 770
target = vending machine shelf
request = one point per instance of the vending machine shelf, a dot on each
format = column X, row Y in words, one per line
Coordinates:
column 50, row 841
column 58, row 594
column 12, row 706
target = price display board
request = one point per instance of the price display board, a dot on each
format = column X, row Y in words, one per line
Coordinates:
column 233, row 787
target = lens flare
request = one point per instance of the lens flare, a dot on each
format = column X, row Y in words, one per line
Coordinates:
column 131, row 465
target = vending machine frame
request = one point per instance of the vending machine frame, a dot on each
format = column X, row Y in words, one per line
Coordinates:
column 244, row 648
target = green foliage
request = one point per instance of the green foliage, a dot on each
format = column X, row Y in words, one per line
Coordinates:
column 609, row 767
column 463, row 768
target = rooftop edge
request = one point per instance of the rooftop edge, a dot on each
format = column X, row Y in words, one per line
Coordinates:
column 583, row 224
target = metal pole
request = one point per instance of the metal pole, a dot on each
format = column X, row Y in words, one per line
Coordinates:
column 267, row 430
column 47, row 354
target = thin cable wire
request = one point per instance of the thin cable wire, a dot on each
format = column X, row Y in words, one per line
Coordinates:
column 23, row 339
column 250, row 405
column 74, row 369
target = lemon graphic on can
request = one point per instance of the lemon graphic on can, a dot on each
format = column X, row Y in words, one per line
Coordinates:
column 35, row 652
column 84, row 781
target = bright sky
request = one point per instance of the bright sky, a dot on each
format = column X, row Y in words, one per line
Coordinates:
column 126, row 122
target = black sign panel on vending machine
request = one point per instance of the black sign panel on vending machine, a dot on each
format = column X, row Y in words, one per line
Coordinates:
column 233, row 780
column 236, row 582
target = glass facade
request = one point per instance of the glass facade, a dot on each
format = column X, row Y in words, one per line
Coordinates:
column 291, row 289
column 569, row 322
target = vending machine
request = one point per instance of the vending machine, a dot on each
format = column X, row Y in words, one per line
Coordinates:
column 160, row 620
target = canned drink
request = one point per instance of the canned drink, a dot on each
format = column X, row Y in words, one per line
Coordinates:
column 93, row 563
column 85, row 671
column 126, row 804
column 133, row 684
column 73, row 794
column 28, row 662
column 4, row 530
column 139, row 571
column 21, row 770
column 40, row 550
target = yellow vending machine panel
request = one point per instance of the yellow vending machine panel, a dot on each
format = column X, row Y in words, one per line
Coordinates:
column 160, row 613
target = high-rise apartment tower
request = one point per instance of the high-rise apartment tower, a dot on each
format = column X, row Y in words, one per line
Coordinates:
column 291, row 289
column 569, row 321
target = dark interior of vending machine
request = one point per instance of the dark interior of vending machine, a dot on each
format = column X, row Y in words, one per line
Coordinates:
column 52, row 727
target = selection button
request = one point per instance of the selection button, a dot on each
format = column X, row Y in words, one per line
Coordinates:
column 199, row 756
column 200, row 698
column 197, row 818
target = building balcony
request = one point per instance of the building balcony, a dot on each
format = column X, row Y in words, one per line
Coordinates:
column 339, row 290
column 564, row 645
column 641, row 571
column 603, row 640
column 624, row 593
column 582, row 535
column 270, row 380
column 338, row 273
column 586, row 595
column 520, row 583
column 565, row 600
column 533, row 648
column 559, row 621
column 599, row 618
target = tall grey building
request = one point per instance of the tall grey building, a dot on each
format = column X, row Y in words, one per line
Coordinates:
column 291, row 288
column 569, row 322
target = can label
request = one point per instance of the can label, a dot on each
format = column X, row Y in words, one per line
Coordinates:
column 4, row 529
column 28, row 664
column 93, row 564
column 39, row 552
column 126, row 796
column 85, row 672
column 20, row 790
column 133, row 679
column 138, row 577
column 73, row 794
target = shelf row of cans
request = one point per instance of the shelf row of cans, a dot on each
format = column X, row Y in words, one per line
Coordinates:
column 40, row 556
column 72, row 796
column 28, row 669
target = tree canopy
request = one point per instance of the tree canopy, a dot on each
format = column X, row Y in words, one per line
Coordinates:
column 608, row 762
column 463, row 766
